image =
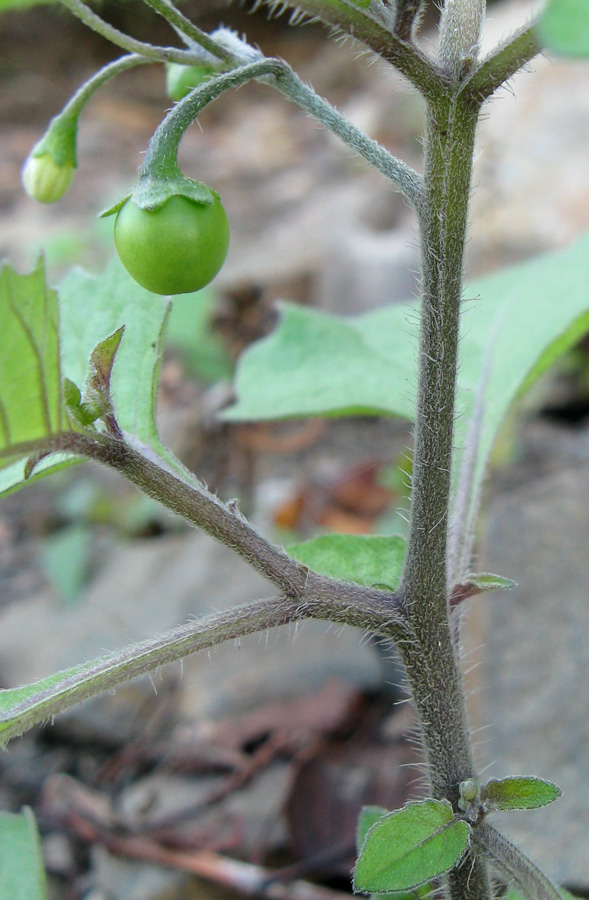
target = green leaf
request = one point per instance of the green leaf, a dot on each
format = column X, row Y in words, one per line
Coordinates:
column 520, row 322
column 22, row 4
column 92, row 310
column 518, row 793
column 411, row 846
column 31, row 404
column 22, row 876
column 479, row 584
column 364, row 559
column 66, row 557
column 486, row 581
column 325, row 366
column 564, row 27
column 369, row 816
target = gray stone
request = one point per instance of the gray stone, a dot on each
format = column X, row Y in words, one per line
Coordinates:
column 535, row 687
column 369, row 268
column 531, row 174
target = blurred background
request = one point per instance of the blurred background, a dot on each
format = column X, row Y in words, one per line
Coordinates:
column 265, row 752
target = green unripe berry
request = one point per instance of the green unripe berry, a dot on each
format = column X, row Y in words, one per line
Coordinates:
column 180, row 80
column 175, row 249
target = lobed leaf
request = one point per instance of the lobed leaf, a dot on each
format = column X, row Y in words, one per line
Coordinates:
column 22, row 875
column 524, row 792
column 364, row 559
column 410, row 847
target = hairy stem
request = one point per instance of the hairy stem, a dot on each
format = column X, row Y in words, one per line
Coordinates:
column 51, row 696
column 128, row 43
column 430, row 659
column 318, row 596
column 184, row 26
column 504, row 62
column 513, row 865
column 378, row 34
column 163, row 147
column 77, row 102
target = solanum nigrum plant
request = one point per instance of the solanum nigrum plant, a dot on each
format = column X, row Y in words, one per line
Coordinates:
column 78, row 368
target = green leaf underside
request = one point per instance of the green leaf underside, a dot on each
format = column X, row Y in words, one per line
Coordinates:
column 514, row 328
column 564, row 27
column 22, row 876
column 409, row 847
column 364, row 559
column 518, row 793
column 90, row 309
column 30, row 380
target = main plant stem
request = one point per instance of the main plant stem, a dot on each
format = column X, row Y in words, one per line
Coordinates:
column 431, row 658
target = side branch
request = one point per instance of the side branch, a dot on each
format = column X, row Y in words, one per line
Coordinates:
column 277, row 74
column 188, row 29
column 513, row 865
column 504, row 62
column 130, row 44
column 197, row 505
column 314, row 595
column 420, row 71
column 21, row 708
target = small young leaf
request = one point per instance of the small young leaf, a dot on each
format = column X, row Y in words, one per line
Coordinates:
column 518, row 793
column 409, row 847
column 369, row 816
column 364, row 559
column 32, row 404
column 21, row 865
column 486, row 581
column 101, row 362
column 564, row 27
column 479, row 584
